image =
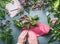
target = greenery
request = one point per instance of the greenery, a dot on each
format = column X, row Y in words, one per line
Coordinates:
column 55, row 29
column 26, row 21
column 5, row 31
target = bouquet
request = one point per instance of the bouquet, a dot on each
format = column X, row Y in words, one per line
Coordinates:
column 26, row 22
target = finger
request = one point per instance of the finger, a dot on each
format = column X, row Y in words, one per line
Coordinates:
column 22, row 37
column 23, row 34
column 32, row 39
column 31, row 34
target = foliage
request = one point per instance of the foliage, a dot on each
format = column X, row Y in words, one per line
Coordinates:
column 54, row 7
column 3, row 3
column 26, row 21
column 32, row 4
column 5, row 32
column 2, row 14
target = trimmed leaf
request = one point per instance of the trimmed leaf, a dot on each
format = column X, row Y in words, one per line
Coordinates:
column 18, row 23
column 35, row 17
column 34, row 22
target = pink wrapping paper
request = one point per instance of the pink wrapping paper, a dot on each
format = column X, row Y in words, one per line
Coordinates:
column 39, row 29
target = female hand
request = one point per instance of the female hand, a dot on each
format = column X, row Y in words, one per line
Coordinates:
column 22, row 37
column 32, row 39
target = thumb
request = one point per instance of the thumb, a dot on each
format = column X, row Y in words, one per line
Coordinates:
column 32, row 39
column 22, row 37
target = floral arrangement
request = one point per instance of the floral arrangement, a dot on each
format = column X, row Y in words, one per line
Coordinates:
column 55, row 28
column 5, row 30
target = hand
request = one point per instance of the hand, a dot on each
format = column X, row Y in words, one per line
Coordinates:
column 32, row 39
column 22, row 37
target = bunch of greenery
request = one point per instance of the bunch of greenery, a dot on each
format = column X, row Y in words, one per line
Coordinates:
column 5, row 32
column 26, row 21
column 54, row 7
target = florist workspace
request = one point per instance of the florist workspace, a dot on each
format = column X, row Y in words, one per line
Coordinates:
column 29, row 22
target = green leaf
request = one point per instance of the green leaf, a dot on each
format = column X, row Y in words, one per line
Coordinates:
column 18, row 23
column 34, row 22
column 52, row 39
column 58, row 37
column 56, row 4
column 2, row 13
column 1, row 36
column 35, row 17
column 3, row 3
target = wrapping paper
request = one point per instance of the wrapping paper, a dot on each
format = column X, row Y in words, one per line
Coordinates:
column 39, row 29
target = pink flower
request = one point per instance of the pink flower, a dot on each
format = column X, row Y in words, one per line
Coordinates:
column 54, row 20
